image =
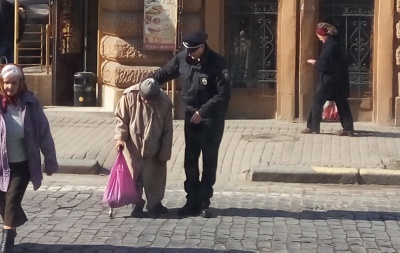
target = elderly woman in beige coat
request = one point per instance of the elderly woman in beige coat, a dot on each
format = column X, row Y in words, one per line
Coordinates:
column 144, row 131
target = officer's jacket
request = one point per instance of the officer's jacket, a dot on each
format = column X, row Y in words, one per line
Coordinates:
column 205, row 83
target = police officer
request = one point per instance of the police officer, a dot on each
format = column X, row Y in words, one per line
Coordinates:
column 206, row 93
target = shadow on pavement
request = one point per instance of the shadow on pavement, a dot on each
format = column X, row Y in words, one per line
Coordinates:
column 315, row 214
column 62, row 248
column 362, row 133
column 376, row 134
column 318, row 214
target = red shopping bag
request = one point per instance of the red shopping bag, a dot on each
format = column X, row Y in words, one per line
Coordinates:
column 120, row 190
column 330, row 112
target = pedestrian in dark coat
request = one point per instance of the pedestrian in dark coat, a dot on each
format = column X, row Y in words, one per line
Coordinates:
column 206, row 94
column 333, row 82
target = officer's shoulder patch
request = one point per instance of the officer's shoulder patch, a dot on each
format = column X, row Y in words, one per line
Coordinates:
column 225, row 73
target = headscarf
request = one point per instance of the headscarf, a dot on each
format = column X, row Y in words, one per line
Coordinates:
column 326, row 29
column 322, row 31
column 11, row 70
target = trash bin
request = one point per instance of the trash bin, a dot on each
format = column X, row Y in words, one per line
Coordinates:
column 84, row 89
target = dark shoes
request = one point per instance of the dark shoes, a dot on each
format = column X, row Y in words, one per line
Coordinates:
column 339, row 133
column 206, row 213
column 189, row 209
column 158, row 209
column 7, row 243
column 344, row 133
column 309, row 131
column 137, row 212
column 195, row 209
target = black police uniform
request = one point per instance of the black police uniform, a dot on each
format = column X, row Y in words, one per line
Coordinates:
column 206, row 89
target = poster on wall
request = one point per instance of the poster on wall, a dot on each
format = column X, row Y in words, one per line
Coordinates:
column 160, row 23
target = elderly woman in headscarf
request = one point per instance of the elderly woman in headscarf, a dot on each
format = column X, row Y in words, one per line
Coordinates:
column 333, row 82
column 24, row 132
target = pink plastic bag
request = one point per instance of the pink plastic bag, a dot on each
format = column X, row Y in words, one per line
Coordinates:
column 120, row 190
column 330, row 112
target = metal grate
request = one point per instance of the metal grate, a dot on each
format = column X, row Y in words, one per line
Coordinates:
column 252, row 43
column 354, row 20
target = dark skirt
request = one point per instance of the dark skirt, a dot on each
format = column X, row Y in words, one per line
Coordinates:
column 10, row 202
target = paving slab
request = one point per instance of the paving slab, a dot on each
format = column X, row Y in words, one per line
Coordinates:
column 248, row 147
column 304, row 174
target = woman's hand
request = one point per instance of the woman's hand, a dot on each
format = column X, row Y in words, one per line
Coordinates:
column 119, row 145
column 311, row 61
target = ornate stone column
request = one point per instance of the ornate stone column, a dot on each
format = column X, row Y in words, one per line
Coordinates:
column 383, row 63
column 397, row 44
column 214, row 24
column 287, row 60
column 308, row 50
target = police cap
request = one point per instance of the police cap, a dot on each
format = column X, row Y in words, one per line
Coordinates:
column 193, row 40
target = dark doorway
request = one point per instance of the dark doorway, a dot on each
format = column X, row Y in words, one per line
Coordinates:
column 251, row 38
column 354, row 21
column 74, row 45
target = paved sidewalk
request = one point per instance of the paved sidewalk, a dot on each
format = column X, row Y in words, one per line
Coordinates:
column 250, row 149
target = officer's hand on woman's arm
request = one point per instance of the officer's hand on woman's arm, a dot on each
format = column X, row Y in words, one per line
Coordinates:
column 196, row 118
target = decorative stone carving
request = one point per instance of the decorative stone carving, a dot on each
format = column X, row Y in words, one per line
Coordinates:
column 398, row 30
column 121, row 24
column 398, row 56
column 123, row 76
column 398, row 5
column 130, row 51
column 124, row 5
column 192, row 5
column 190, row 22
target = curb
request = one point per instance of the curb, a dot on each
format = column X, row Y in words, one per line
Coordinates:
column 324, row 175
column 379, row 176
column 78, row 166
column 77, row 111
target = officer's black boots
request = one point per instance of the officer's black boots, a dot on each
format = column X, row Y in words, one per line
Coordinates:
column 189, row 209
column 206, row 213
column 205, row 210
column 7, row 243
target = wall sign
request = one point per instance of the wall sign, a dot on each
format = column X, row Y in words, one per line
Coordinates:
column 160, row 24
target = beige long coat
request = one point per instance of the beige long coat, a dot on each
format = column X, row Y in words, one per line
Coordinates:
column 147, row 132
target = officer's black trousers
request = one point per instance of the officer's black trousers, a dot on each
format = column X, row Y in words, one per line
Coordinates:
column 205, row 138
column 315, row 117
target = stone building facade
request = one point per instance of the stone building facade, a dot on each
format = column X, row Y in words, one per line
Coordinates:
column 267, row 44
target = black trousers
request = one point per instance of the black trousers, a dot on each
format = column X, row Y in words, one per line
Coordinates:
column 10, row 202
column 315, row 117
column 202, row 138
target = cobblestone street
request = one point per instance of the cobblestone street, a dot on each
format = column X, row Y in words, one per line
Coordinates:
column 66, row 215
